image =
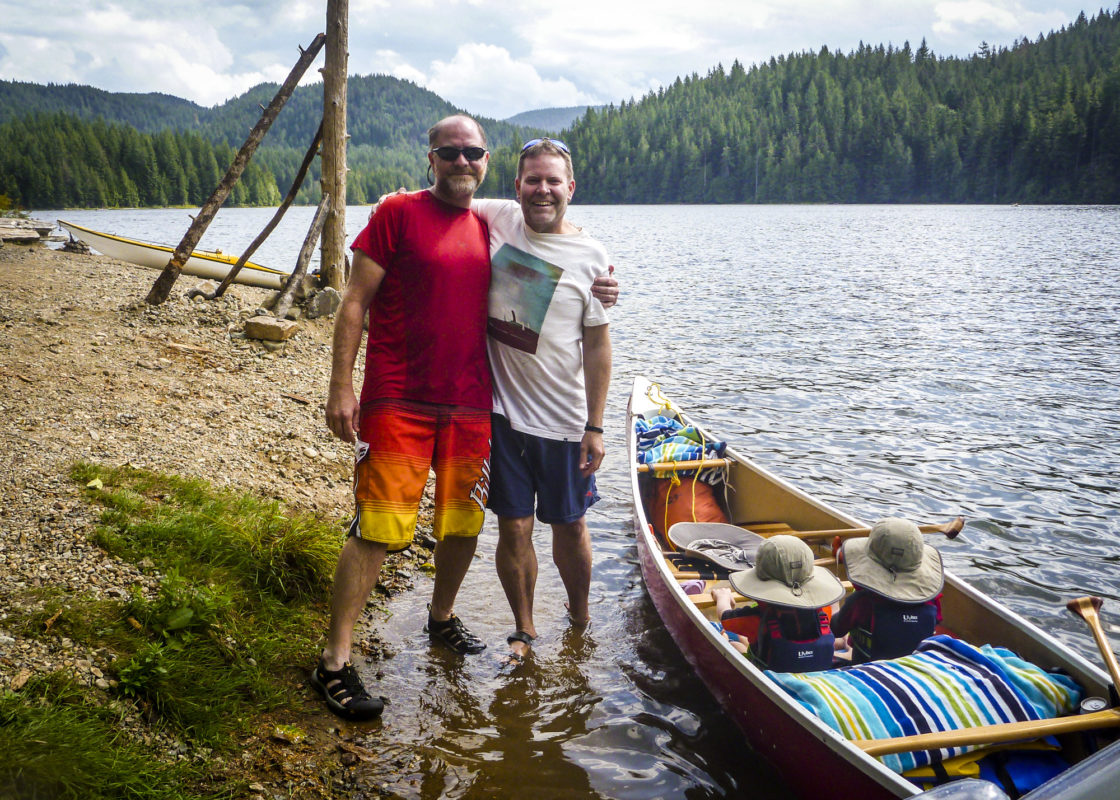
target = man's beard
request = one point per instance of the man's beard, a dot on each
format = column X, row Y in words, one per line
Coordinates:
column 458, row 185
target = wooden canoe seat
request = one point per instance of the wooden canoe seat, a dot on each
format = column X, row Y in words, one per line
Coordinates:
column 704, row 599
column 765, row 528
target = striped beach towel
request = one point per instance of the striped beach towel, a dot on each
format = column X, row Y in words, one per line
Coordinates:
column 945, row 685
column 662, row 439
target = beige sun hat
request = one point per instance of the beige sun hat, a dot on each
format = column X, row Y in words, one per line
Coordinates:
column 894, row 561
column 784, row 574
column 728, row 546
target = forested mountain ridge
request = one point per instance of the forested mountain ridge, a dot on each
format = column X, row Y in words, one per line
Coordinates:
column 49, row 161
column 147, row 113
column 56, row 160
column 1036, row 122
column 382, row 111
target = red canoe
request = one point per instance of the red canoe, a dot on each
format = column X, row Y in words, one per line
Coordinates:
column 816, row 760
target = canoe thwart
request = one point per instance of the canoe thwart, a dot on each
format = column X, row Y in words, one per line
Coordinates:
column 675, row 466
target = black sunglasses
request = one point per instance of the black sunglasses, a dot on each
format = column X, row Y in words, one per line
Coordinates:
column 448, row 153
column 557, row 142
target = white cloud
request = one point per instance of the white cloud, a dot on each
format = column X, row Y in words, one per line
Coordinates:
column 963, row 14
column 137, row 49
column 486, row 79
column 406, row 72
column 963, row 24
column 491, row 57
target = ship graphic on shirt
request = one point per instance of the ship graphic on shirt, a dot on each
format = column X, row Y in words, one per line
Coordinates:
column 521, row 288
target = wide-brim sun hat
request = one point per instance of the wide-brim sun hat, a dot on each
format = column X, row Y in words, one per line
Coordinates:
column 894, row 561
column 725, row 545
column 784, row 575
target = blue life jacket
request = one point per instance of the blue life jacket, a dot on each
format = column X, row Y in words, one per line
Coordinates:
column 794, row 640
column 895, row 629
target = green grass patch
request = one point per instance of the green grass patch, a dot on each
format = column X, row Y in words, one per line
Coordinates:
column 57, row 746
column 202, row 532
column 244, row 585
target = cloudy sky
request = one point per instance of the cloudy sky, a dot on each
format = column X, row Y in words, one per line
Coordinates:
column 490, row 57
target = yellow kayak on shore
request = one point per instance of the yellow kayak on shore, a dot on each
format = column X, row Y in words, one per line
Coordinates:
column 202, row 263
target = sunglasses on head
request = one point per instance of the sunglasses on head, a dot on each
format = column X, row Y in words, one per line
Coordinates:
column 557, row 142
column 448, row 153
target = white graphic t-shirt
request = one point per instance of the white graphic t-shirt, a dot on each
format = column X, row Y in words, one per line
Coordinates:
column 540, row 301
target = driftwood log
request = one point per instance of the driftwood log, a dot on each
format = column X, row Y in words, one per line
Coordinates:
column 272, row 223
column 284, row 301
column 162, row 287
column 333, row 256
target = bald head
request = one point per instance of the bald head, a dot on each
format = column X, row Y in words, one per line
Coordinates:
column 454, row 122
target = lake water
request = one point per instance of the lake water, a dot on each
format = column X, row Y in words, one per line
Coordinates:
column 922, row 361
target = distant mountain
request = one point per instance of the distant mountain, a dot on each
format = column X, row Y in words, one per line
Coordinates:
column 550, row 120
column 387, row 119
column 382, row 111
column 147, row 113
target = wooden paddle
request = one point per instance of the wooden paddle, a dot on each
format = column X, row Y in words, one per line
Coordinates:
column 1087, row 608
column 950, row 529
column 991, row 734
column 672, row 466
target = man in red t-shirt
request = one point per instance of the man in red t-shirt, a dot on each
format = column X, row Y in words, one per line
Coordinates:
column 421, row 270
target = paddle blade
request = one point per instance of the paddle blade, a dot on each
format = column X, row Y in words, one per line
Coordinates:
column 1085, row 606
column 955, row 527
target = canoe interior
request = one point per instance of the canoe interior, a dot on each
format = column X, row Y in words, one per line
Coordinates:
column 816, row 761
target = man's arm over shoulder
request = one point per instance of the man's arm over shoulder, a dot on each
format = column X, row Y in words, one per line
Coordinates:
column 604, row 287
column 342, row 402
column 597, row 379
column 488, row 210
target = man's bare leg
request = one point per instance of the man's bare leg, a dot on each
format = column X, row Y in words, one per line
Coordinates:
column 571, row 552
column 516, row 561
column 453, row 556
column 359, row 565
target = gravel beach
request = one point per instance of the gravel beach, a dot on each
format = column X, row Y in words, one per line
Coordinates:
column 88, row 371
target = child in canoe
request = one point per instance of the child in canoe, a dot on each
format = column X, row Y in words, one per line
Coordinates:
column 897, row 599
column 793, row 596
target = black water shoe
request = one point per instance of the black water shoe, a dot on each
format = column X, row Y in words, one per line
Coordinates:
column 454, row 634
column 344, row 692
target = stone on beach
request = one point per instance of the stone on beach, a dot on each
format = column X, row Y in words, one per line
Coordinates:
column 24, row 231
column 270, row 329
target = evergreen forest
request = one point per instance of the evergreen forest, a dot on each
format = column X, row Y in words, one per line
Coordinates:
column 77, row 146
column 1036, row 122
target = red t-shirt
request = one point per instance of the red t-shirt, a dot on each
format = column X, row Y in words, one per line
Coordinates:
column 427, row 322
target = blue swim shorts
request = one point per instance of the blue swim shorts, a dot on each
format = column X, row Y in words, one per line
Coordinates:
column 528, row 472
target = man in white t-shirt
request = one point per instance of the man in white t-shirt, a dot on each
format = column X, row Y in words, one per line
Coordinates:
column 550, row 358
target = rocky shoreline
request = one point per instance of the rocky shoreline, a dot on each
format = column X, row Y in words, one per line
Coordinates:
column 89, row 372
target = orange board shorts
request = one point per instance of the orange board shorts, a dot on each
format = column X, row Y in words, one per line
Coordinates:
column 398, row 442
